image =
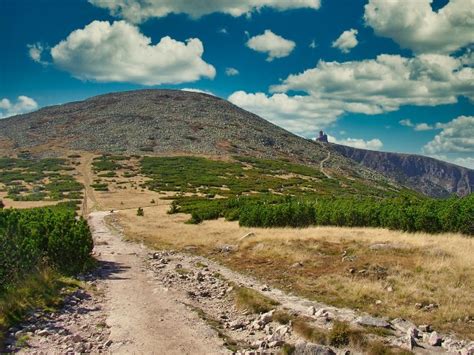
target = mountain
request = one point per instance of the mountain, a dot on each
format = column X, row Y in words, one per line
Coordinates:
column 161, row 122
column 170, row 122
column 427, row 175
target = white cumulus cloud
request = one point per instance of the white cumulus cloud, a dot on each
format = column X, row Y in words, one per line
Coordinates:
column 466, row 162
column 231, row 72
column 23, row 104
column 346, row 41
column 272, row 44
column 371, row 144
column 413, row 24
column 423, row 127
column 369, row 87
column 35, row 52
column 118, row 52
column 298, row 114
column 384, row 84
column 457, row 136
column 198, row 90
column 419, row 126
column 406, row 122
column 137, row 11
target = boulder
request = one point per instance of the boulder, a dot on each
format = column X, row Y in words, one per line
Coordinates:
column 266, row 318
column 236, row 324
column 304, row 348
column 435, row 339
column 402, row 325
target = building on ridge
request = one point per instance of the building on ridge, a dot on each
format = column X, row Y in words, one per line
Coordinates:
column 323, row 137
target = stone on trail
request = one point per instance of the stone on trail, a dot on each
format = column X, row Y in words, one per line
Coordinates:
column 402, row 324
column 372, row 322
column 304, row 348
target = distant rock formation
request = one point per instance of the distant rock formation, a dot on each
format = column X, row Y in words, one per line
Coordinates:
column 427, row 175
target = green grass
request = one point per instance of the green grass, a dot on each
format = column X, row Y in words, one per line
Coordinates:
column 228, row 342
column 253, row 301
column 44, row 289
column 282, row 317
column 100, row 187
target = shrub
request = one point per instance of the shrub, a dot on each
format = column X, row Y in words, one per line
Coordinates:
column 29, row 239
column 402, row 213
column 140, row 212
column 174, row 208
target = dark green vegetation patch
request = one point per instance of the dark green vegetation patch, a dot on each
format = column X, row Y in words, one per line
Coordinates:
column 27, row 179
column 32, row 238
column 247, row 176
column 270, row 193
column 38, row 248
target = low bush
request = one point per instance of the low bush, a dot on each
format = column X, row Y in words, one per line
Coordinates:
column 402, row 213
column 30, row 239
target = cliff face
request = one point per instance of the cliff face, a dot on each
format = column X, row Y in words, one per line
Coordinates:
column 427, row 175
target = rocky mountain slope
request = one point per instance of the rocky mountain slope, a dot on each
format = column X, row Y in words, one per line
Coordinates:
column 164, row 122
column 155, row 121
column 427, row 175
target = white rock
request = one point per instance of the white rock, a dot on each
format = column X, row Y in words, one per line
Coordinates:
column 266, row 318
column 402, row 324
column 435, row 339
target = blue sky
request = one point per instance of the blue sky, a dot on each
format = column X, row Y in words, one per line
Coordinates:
column 389, row 75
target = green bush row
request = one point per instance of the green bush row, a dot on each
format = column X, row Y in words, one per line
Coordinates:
column 34, row 237
column 406, row 213
column 402, row 213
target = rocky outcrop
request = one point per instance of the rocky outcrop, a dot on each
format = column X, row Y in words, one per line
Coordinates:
column 426, row 175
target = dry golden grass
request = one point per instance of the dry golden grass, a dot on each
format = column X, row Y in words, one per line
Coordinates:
column 253, row 301
column 409, row 269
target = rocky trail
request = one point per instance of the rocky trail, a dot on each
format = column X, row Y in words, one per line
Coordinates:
column 165, row 302
column 321, row 164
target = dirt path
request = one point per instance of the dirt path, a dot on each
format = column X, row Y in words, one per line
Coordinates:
column 149, row 303
column 142, row 317
column 321, row 165
column 85, row 170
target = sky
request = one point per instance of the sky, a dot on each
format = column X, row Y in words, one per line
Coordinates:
column 392, row 75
